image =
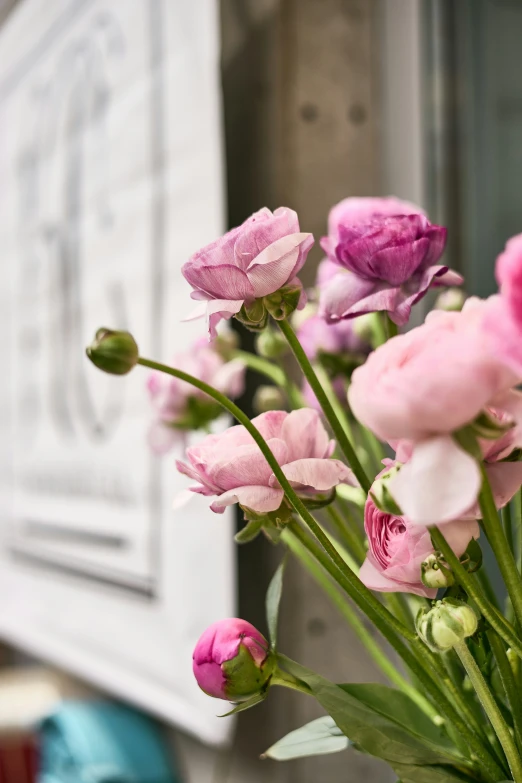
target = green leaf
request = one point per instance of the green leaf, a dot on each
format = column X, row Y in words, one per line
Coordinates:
column 429, row 774
column 317, row 738
column 251, row 530
column 273, row 599
column 380, row 721
column 245, row 705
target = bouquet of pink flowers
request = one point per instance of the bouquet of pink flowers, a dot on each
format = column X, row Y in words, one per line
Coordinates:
column 382, row 473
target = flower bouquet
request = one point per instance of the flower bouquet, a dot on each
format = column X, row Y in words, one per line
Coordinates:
column 383, row 472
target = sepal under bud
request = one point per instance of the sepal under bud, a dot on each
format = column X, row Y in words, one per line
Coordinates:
column 446, row 624
column 435, row 573
column 114, row 352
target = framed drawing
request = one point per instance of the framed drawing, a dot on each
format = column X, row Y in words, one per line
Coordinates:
column 110, row 158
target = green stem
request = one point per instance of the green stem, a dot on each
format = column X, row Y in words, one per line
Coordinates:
column 286, row 680
column 337, row 429
column 391, row 328
column 500, row 546
column 491, row 614
column 508, row 526
column 483, row 579
column 509, row 683
column 333, row 399
column 347, row 536
column 342, row 573
column 276, row 374
column 517, row 503
column 430, row 686
column 491, row 709
column 380, row 658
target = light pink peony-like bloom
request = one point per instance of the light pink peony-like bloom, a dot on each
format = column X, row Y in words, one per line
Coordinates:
column 503, row 323
column 386, row 252
column 231, row 466
column 220, row 669
column 397, row 549
column 423, row 386
column 179, row 407
column 249, row 262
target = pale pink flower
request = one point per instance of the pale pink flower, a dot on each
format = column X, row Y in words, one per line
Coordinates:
column 249, row 262
column 231, row 466
column 503, row 323
column 397, row 548
column 179, row 407
column 423, row 386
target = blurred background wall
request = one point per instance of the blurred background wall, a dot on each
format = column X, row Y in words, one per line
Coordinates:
column 323, row 99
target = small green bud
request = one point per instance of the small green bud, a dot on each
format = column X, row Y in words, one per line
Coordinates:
column 446, row 624
column 380, row 493
column 434, row 573
column 271, row 344
column 113, row 352
column 451, row 300
column 268, row 398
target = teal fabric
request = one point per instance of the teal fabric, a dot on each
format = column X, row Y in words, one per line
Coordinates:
column 102, row 742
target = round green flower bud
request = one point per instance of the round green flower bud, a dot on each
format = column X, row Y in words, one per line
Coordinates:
column 113, row 352
column 268, row 398
column 271, row 344
column 451, row 300
column 436, row 574
column 446, row 624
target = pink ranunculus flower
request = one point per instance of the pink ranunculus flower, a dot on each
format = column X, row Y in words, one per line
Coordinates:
column 397, row 549
column 232, row 660
column 249, row 262
column 386, row 253
column 422, row 386
column 179, row 407
column 503, row 323
column 231, row 466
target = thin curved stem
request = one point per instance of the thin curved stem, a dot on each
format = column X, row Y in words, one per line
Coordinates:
column 337, row 429
column 276, row 374
column 509, row 684
column 344, row 574
column 491, row 709
column 380, row 658
column 492, row 615
column 500, row 546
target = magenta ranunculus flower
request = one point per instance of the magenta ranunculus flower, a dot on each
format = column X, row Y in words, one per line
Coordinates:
column 179, row 407
column 387, row 258
column 239, row 272
column 503, row 323
column 232, row 660
column 396, row 550
column 231, row 466
column 422, row 386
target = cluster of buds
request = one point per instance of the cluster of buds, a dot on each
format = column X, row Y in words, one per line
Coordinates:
column 446, row 624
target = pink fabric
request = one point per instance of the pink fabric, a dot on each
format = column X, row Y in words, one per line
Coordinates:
column 251, row 261
column 386, row 252
column 220, row 643
column 170, row 397
column 231, row 466
column 397, row 549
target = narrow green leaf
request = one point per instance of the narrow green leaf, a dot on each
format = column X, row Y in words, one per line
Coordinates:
column 430, row 774
column 250, row 531
column 245, row 705
column 382, row 731
column 273, row 599
column 317, row 738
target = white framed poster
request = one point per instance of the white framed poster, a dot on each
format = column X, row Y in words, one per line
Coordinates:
column 111, row 171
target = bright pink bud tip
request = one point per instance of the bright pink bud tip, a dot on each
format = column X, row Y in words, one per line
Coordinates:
column 232, row 660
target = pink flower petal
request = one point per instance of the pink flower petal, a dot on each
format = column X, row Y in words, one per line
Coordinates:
column 258, row 498
column 375, row 580
column 276, row 264
column 505, row 479
column 319, row 474
column 246, row 465
column 438, row 484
